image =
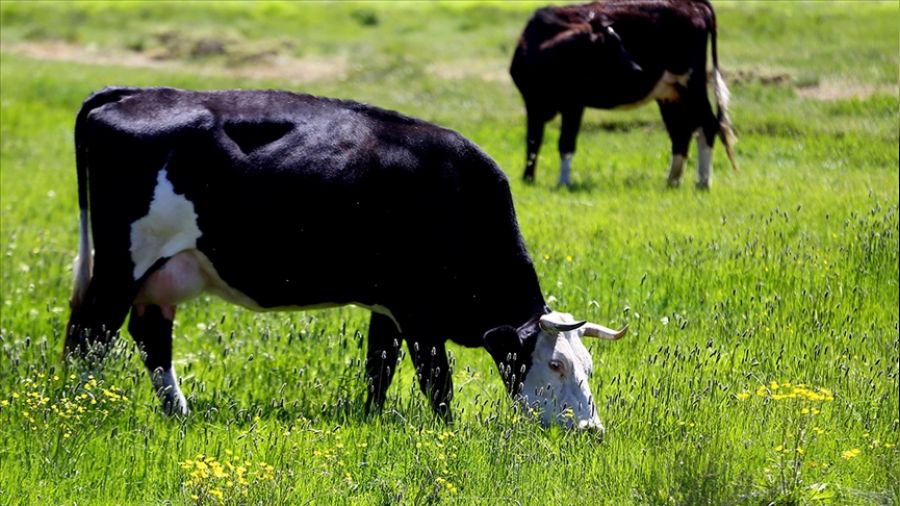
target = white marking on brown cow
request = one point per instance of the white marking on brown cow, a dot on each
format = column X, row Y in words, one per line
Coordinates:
column 169, row 227
column 676, row 167
column 565, row 168
column 665, row 90
column 704, row 161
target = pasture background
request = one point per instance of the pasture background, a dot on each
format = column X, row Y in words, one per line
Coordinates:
column 785, row 272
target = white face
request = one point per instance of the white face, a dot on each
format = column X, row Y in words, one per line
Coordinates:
column 556, row 387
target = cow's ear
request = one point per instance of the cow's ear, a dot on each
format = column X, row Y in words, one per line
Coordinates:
column 502, row 343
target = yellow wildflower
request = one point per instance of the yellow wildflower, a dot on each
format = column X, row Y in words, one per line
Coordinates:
column 851, row 454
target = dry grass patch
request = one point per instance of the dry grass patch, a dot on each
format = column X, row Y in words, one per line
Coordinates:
column 261, row 65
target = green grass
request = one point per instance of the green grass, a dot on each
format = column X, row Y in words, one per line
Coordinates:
column 787, row 271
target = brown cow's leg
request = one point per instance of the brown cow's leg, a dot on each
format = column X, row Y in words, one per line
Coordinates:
column 381, row 359
column 534, row 138
column 571, row 123
column 680, row 127
column 433, row 373
column 151, row 328
column 709, row 127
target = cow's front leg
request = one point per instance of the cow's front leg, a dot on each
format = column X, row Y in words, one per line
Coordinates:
column 151, row 328
column 676, row 116
column 433, row 373
column 571, row 123
column 381, row 359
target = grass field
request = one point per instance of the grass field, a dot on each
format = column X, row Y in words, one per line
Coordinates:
column 762, row 365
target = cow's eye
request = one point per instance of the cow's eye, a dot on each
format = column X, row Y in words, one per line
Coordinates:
column 556, row 366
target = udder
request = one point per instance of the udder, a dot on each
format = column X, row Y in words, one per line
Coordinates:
column 180, row 279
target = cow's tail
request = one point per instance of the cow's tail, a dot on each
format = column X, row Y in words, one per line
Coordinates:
column 726, row 132
column 84, row 262
column 83, row 268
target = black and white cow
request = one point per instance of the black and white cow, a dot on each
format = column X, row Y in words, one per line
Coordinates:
column 621, row 54
column 278, row 201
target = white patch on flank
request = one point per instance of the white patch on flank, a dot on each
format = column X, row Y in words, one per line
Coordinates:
column 676, row 167
column 165, row 383
column 84, row 262
column 665, row 90
column 564, row 395
column 704, row 161
column 169, row 227
column 565, row 168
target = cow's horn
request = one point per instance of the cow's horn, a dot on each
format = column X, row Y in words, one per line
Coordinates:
column 551, row 325
column 594, row 330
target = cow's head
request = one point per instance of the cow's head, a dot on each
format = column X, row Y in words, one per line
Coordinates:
column 611, row 47
column 546, row 368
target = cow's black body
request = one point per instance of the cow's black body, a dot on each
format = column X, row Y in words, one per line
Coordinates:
column 303, row 202
column 612, row 54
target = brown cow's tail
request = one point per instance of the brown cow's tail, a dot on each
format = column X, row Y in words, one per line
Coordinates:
column 722, row 97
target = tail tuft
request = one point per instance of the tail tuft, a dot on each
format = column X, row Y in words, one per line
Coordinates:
column 723, row 96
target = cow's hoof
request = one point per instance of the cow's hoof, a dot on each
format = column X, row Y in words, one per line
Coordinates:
column 702, row 185
column 528, row 178
column 673, row 183
column 175, row 405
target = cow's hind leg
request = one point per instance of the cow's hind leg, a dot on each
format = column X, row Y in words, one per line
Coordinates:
column 97, row 316
column 151, row 327
column 571, row 123
column 381, row 359
column 433, row 373
column 536, row 118
column 676, row 116
column 709, row 127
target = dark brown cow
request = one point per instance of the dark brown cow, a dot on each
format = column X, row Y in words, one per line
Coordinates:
column 622, row 54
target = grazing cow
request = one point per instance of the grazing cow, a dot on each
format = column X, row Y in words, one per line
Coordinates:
column 622, row 54
column 274, row 200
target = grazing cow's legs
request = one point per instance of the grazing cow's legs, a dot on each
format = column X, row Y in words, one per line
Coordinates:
column 151, row 327
column 534, row 138
column 381, row 359
column 96, row 318
column 433, row 372
column 704, row 161
column 709, row 127
column 571, row 122
column 680, row 127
